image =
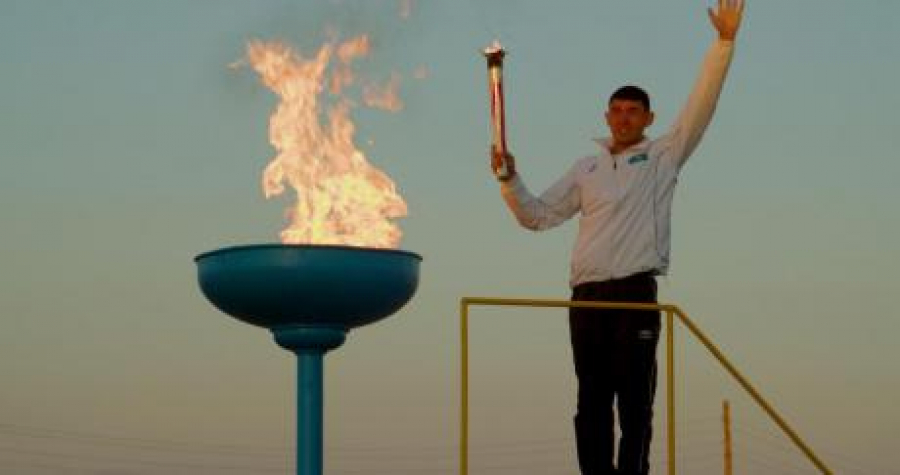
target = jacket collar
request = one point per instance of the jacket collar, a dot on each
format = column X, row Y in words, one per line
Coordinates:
column 605, row 142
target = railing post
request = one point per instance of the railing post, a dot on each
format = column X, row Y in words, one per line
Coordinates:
column 670, row 391
column 464, row 388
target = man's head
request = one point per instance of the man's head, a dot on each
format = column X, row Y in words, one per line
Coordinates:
column 628, row 114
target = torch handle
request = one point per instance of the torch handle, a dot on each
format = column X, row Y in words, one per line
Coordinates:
column 498, row 115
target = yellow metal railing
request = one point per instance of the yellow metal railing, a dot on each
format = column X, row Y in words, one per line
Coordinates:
column 670, row 311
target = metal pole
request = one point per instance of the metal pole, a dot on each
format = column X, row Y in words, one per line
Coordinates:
column 464, row 388
column 309, row 412
column 726, row 419
column 670, row 390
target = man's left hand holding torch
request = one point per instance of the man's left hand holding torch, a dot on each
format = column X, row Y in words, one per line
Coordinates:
column 500, row 158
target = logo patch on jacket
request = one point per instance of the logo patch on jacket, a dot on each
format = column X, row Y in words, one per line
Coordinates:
column 637, row 158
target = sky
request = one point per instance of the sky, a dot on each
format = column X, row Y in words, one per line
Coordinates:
column 128, row 146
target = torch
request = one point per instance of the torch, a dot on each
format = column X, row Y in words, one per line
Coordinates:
column 494, row 54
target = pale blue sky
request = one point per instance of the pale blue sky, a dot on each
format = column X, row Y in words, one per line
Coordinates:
column 127, row 147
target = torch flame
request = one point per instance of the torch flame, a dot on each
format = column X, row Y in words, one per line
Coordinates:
column 341, row 198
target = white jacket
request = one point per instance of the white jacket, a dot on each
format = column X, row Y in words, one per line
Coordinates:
column 625, row 200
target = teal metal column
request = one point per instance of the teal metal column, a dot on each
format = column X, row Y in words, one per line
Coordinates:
column 309, row 413
column 309, row 343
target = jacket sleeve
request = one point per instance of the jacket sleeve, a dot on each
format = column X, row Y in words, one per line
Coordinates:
column 687, row 130
column 556, row 205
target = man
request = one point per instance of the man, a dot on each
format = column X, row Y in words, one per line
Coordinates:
column 624, row 197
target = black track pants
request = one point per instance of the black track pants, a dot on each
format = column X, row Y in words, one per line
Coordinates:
column 615, row 361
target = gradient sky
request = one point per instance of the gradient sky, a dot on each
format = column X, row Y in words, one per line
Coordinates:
column 128, row 147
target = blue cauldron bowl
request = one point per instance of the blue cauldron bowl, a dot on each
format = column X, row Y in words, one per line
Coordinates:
column 284, row 285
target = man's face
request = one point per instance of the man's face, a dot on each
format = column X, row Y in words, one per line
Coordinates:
column 627, row 120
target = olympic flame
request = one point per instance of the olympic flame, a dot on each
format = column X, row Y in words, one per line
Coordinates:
column 340, row 197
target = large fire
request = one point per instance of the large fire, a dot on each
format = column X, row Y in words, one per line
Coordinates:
column 341, row 198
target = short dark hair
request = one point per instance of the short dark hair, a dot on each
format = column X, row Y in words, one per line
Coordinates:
column 631, row 93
